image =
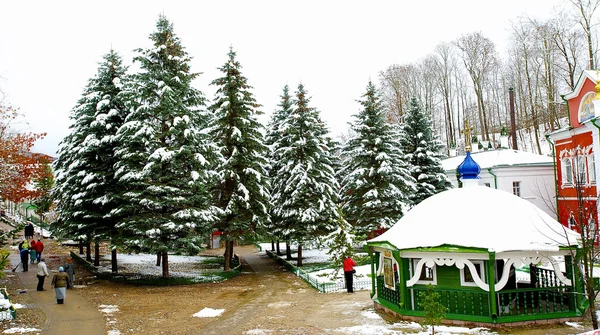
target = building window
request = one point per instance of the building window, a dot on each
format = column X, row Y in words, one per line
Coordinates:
column 466, row 277
column 487, row 184
column 572, row 222
column 428, row 274
column 517, row 188
column 591, row 168
column 567, row 171
column 581, row 170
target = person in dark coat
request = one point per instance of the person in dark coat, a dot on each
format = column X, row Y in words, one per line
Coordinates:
column 349, row 273
column 29, row 231
column 69, row 268
column 24, row 253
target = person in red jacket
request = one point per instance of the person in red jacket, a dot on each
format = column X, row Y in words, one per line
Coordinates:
column 349, row 273
column 39, row 247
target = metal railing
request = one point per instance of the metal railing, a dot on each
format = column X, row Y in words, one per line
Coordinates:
column 324, row 287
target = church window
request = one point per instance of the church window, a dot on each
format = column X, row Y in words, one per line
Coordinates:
column 581, row 170
column 466, row 277
column 591, row 168
column 517, row 188
column 567, row 172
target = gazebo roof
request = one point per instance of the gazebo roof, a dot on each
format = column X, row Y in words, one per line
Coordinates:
column 478, row 217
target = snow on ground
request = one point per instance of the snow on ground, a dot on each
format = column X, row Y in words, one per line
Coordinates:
column 209, row 313
column 111, row 320
column 258, row 332
column 20, row 330
column 179, row 266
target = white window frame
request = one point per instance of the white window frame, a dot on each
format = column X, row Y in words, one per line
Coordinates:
column 516, row 188
column 591, row 165
column 477, row 264
column 567, row 171
column 433, row 281
column 581, row 170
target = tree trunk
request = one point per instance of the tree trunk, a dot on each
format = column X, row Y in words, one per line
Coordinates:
column 288, row 251
column 88, row 252
column 158, row 258
column 81, row 247
column 165, row 265
column 113, row 260
column 228, row 251
column 272, row 245
column 299, row 261
column 96, row 252
column 278, row 249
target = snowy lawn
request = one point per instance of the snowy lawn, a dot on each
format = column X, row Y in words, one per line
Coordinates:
column 200, row 269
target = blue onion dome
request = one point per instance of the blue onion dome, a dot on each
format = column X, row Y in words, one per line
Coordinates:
column 469, row 169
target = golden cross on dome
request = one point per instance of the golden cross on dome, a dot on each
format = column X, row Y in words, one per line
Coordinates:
column 467, row 133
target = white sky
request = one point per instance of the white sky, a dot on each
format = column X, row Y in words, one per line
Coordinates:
column 48, row 50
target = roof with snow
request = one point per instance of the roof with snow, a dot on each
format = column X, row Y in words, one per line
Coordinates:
column 478, row 217
column 500, row 158
column 592, row 75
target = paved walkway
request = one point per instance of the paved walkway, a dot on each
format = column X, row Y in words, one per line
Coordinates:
column 75, row 316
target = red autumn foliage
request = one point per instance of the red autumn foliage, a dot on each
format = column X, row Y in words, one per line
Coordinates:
column 18, row 165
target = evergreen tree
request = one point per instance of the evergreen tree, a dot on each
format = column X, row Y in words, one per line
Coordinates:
column 86, row 190
column 340, row 244
column 423, row 151
column 376, row 183
column 243, row 191
column 305, row 188
column 434, row 311
column 273, row 141
column 166, row 159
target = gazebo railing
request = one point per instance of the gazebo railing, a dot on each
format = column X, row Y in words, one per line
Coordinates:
column 535, row 301
column 457, row 301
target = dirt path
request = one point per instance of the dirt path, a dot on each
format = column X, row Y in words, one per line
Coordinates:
column 76, row 316
column 265, row 298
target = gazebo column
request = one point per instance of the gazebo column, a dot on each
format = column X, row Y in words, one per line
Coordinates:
column 401, row 288
column 373, row 278
column 404, row 277
column 491, row 274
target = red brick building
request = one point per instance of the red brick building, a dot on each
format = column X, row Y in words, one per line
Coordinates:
column 575, row 150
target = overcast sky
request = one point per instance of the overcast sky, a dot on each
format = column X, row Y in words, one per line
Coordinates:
column 49, row 49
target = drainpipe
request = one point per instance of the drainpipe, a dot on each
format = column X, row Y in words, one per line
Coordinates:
column 555, row 176
column 492, row 285
column 596, row 154
column 495, row 178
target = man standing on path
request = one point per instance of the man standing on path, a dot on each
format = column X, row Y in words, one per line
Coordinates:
column 349, row 273
column 42, row 273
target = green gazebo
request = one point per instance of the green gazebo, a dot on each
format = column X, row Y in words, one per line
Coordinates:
column 492, row 256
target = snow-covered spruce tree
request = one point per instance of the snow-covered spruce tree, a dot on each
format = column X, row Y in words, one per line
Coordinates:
column 423, row 152
column 304, row 189
column 340, row 244
column 243, row 191
column 165, row 159
column 86, row 190
column 376, row 182
column 272, row 140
